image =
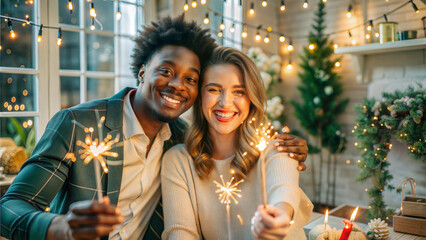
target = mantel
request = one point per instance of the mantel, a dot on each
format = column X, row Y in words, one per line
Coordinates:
column 360, row 52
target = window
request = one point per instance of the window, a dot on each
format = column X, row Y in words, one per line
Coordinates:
column 232, row 10
column 38, row 79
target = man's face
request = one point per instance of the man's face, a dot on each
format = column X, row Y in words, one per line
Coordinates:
column 170, row 82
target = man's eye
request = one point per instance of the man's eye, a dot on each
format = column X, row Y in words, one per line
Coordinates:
column 192, row 80
column 166, row 71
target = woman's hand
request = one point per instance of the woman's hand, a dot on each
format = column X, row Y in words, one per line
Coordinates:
column 271, row 223
column 296, row 147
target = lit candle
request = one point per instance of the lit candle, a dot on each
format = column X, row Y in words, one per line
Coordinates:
column 348, row 226
column 326, row 220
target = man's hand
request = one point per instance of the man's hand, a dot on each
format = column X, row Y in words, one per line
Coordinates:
column 86, row 220
column 295, row 146
column 270, row 223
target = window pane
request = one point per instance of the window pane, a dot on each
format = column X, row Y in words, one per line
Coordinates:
column 99, row 88
column 17, row 52
column 128, row 19
column 127, row 82
column 69, row 51
column 65, row 16
column 70, row 91
column 104, row 14
column 126, row 50
column 100, row 53
column 17, row 92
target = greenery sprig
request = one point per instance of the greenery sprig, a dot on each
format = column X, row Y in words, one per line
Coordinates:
column 400, row 115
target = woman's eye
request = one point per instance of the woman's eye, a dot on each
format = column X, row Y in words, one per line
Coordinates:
column 212, row 90
column 240, row 92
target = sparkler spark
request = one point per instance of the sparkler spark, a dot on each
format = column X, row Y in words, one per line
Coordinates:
column 93, row 150
column 228, row 191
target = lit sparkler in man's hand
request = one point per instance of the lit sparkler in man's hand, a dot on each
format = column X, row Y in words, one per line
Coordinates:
column 92, row 149
column 228, row 191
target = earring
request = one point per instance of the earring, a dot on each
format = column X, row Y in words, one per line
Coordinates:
column 140, row 79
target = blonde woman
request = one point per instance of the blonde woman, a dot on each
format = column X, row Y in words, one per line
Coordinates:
column 231, row 94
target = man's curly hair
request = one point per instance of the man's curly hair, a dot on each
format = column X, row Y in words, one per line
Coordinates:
column 176, row 32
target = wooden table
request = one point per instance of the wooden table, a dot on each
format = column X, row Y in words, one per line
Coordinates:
column 5, row 183
column 318, row 219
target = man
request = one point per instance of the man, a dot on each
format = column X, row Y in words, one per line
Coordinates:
column 168, row 60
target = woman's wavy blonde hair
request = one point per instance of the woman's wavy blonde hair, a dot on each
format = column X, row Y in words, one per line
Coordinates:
column 198, row 142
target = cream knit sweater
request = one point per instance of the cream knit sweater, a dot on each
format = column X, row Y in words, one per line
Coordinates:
column 192, row 209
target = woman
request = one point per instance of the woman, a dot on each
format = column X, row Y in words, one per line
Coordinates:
column 231, row 95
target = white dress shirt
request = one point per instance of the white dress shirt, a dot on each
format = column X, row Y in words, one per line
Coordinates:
column 140, row 185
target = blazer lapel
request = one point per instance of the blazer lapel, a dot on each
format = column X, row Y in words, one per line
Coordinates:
column 114, row 127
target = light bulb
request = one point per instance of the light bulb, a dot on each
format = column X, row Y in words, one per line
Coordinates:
column 282, row 38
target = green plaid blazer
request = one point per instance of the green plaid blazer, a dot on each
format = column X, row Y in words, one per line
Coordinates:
column 49, row 182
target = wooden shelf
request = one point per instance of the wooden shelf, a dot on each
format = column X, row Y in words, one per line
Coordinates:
column 360, row 52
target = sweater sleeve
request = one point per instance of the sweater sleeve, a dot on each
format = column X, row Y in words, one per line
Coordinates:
column 180, row 217
column 282, row 178
column 23, row 207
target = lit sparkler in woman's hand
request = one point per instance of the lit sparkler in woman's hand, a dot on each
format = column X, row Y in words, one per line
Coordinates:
column 264, row 135
column 228, row 191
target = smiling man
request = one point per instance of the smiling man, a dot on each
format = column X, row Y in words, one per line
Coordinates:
column 52, row 196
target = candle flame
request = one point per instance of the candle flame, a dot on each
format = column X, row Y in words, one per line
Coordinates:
column 326, row 217
column 354, row 214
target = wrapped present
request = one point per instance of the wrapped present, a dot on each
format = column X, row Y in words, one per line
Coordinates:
column 412, row 217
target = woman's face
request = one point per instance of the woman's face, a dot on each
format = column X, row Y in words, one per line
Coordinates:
column 224, row 99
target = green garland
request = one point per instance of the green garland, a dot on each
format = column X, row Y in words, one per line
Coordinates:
column 399, row 114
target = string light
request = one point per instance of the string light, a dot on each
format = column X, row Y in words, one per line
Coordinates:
column 194, row 4
column 385, row 17
column 203, row 2
column 311, row 46
column 59, row 40
column 118, row 14
column 251, row 8
column 367, row 36
column 414, row 6
column 337, row 64
column 222, row 25
column 12, row 33
column 257, row 37
column 264, row 3
column 282, row 8
column 70, row 6
column 324, row 1
column 377, row 35
column 186, row 6
column 92, row 11
column 282, row 38
column 232, row 29
column 335, row 46
column 266, row 39
column 220, row 34
column 290, row 46
column 206, row 19
column 289, row 65
column 370, row 25
column 92, row 26
column 349, row 12
column 40, row 33
column 27, row 18
column 244, row 33
column 305, row 4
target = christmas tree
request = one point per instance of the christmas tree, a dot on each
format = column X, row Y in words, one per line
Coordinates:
column 319, row 90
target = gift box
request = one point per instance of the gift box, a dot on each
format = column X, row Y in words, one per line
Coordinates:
column 412, row 218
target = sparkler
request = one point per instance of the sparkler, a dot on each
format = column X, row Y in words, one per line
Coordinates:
column 228, row 191
column 264, row 135
column 92, row 149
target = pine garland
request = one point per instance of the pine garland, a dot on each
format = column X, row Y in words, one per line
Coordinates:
column 400, row 115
